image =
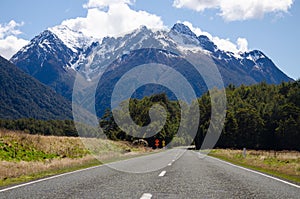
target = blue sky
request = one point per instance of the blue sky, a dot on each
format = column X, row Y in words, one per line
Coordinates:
column 270, row 26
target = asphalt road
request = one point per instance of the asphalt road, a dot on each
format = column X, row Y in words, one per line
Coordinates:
column 180, row 175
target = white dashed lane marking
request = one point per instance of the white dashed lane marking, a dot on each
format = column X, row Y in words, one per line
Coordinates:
column 146, row 196
column 162, row 173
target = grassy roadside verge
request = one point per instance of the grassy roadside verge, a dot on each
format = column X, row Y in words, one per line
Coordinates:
column 25, row 157
column 43, row 174
column 281, row 164
column 83, row 165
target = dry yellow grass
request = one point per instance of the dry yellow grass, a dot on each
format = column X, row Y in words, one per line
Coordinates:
column 69, row 151
column 11, row 169
column 62, row 146
column 282, row 162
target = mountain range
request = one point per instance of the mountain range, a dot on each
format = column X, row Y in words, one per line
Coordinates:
column 59, row 55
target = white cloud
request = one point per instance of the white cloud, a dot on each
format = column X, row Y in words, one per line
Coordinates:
column 241, row 44
column 9, row 42
column 198, row 5
column 112, row 18
column 235, row 10
column 10, row 29
column 10, row 45
column 104, row 3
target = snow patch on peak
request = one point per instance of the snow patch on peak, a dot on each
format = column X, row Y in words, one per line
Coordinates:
column 185, row 42
column 256, row 67
column 142, row 30
column 183, row 29
column 254, row 55
column 43, row 41
column 72, row 39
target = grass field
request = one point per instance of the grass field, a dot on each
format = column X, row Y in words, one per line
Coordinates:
column 283, row 164
column 25, row 157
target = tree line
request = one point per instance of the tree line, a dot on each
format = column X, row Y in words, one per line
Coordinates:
column 139, row 112
column 49, row 127
column 260, row 116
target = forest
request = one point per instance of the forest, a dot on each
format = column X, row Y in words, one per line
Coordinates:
column 259, row 116
column 49, row 127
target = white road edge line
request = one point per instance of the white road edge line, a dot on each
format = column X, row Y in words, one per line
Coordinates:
column 49, row 178
column 146, row 196
column 162, row 173
column 259, row 173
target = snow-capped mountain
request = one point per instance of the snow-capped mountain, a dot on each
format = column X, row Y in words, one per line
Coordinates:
column 183, row 36
column 54, row 56
column 74, row 40
column 110, row 49
column 43, row 47
column 56, row 41
column 48, row 59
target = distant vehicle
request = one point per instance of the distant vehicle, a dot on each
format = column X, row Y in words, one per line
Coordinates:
column 140, row 142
